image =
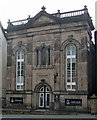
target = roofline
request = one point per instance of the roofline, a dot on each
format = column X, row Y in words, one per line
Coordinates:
column 76, row 12
column 3, row 30
column 58, row 17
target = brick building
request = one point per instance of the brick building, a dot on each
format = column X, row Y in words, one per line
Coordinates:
column 49, row 61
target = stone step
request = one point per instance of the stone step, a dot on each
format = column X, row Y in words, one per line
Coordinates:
column 37, row 112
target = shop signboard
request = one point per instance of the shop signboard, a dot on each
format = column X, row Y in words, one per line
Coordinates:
column 73, row 102
column 17, row 100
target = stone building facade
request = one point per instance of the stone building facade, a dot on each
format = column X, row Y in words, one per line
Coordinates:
column 49, row 61
column 3, row 65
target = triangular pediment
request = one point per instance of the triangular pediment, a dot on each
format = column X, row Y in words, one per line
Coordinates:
column 42, row 18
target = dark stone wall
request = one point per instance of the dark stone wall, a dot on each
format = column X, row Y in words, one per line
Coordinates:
column 96, row 60
column 91, row 70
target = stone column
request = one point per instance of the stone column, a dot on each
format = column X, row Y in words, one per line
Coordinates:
column 39, row 58
column 35, row 54
column 46, row 57
column 51, row 57
column 93, row 104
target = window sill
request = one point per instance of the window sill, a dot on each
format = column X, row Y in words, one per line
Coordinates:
column 18, row 91
column 43, row 67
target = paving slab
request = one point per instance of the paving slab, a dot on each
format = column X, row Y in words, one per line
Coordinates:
column 21, row 116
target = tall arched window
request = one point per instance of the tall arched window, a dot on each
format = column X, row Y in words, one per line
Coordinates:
column 71, row 68
column 19, row 70
column 43, row 56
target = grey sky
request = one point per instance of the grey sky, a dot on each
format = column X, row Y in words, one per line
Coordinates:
column 20, row 9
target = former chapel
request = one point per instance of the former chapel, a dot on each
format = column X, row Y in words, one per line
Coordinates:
column 49, row 61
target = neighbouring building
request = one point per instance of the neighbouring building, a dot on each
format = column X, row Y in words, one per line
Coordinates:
column 49, row 61
column 3, row 65
column 96, row 58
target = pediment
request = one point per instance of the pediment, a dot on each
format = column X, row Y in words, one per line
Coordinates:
column 42, row 18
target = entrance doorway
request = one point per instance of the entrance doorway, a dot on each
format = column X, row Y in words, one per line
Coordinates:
column 44, row 97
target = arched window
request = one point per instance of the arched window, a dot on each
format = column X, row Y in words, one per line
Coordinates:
column 71, row 68
column 19, row 70
column 43, row 56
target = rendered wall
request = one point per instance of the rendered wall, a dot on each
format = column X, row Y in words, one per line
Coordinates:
column 3, row 63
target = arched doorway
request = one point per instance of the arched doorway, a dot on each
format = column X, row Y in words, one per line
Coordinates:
column 44, row 97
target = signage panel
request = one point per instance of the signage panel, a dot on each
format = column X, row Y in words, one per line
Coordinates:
column 56, row 97
column 73, row 102
column 17, row 100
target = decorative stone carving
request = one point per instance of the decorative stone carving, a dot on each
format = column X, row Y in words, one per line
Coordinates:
column 20, row 43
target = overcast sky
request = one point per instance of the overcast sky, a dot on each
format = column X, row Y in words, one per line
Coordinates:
column 20, row 9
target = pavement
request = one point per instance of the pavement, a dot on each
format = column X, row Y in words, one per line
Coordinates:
column 46, row 117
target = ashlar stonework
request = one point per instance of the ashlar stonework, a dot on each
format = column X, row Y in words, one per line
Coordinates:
column 49, row 59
